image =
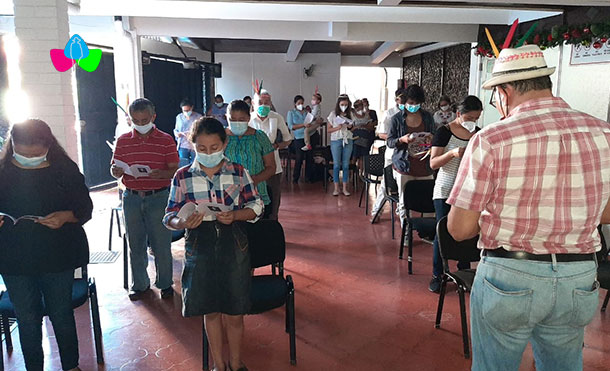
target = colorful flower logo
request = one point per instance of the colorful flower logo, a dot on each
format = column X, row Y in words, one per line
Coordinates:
column 76, row 52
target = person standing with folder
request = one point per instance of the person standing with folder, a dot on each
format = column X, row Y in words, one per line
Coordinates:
column 145, row 197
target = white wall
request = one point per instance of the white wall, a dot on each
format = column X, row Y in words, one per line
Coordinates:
column 585, row 87
column 282, row 79
column 370, row 83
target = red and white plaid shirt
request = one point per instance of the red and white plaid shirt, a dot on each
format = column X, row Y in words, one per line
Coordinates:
column 540, row 178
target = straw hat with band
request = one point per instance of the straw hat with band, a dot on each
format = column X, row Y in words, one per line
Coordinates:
column 524, row 63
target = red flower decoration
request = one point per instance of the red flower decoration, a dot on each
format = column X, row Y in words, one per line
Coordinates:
column 603, row 39
column 586, row 30
column 566, row 36
column 549, row 38
column 576, row 34
column 597, row 45
column 537, row 39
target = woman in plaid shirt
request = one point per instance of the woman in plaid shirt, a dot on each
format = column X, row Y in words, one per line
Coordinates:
column 216, row 276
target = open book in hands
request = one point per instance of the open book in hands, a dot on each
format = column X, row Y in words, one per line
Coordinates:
column 135, row 171
column 203, row 208
column 24, row 217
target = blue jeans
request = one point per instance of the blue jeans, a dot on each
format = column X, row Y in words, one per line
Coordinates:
column 441, row 207
column 514, row 302
column 341, row 156
column 143, row 216
column 27, row 294
column 187, row 156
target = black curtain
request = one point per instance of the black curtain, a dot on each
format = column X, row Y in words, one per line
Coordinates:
column 166, row 84
column 99, row 119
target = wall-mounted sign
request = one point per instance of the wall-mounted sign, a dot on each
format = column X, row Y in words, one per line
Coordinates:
column 590, row 54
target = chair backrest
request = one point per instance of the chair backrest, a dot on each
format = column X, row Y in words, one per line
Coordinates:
column 602, row 254
column 450, row 249
column 373, row 165
column 266, row 243
column 391, row 187
column 418, row 196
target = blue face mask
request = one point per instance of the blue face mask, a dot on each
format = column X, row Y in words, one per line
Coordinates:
column 29, row 161
column 263, row 111
column 238, row 128
column 401, row 107
column 413, row 107
column 211, row 160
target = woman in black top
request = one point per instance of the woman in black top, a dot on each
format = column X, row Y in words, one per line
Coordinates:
column 38, row 257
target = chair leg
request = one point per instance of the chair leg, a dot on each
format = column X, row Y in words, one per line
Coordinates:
column 1, row 357
column 361, row 195
column 95, row 317
column 441, row 301
column 6, row 328
column 292, row 330
column 366, row 199
column 464, row 322
column 392, row 217
column 605, row 304
column 110, row 230
column 402, row 239
column 205, row 346
column 125, row 263
column 118, row 222
column 410, row 244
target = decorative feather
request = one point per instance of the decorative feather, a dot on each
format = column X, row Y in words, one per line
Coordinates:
column 511, row 34
column 493, row 44
column 527, row 35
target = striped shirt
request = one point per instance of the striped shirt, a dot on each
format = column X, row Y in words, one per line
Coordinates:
column 249, row 151
column 540, row 178
column 230, row 186
column 157, row 150
column 445, row 179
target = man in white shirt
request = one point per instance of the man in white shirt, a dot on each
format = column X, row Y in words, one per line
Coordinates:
column 263, row 118
column 382, row 132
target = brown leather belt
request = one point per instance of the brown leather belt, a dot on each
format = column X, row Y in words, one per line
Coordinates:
column 146, row 193
column 522, row 255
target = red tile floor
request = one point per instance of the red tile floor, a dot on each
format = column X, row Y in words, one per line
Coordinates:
column 356, row 306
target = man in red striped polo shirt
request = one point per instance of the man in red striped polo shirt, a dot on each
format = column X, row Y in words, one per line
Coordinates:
column 535, row 186
column 146, row 159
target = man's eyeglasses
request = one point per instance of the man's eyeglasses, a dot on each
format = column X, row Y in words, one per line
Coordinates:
column 492, row 99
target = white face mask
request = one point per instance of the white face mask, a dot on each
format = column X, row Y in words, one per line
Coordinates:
column 343, row 108
column 444, row 108
column 143, row 129
column 219, row 105
column 469, row 125
column 300, row 107
column 360, row 113
column 187, row 113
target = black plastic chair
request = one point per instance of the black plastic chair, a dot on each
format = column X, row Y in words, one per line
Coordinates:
column 464, row 251
column 603, row 269
column 267, row 246
column 391, row 195
column 83, row 288
column 417, row 197
column 372, row 167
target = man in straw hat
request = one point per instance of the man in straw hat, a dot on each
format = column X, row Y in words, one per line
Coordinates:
column 535, row 186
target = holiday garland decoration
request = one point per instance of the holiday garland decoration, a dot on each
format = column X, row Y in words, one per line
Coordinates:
column 591, row 34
